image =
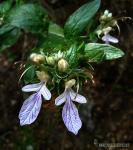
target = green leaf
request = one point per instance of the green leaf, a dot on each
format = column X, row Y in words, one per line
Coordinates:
column 96, row 52
column 8, row 39
column 52, row 43
column 54, row 40
column 5, row 28
column 79, row 20
column 30, row 17
column 55, row 29
column 5, row 6
column 30, row 74
column 71, row 55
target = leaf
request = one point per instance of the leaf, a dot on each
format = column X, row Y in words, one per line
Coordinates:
column 79, row 20
column 55, row 29
column 6, row 28
column 96, row 52
column 10, row 38
column 30, row 74
column 55, row 39
column 5, row 6
column 71, row 55
column 30, row 17
column 52, row 43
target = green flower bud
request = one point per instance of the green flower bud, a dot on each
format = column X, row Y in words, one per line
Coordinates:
column 106, row 12
column 50, row 60
column 110, row 15
column 63, row 65
column 70, row 83
column 1, row 20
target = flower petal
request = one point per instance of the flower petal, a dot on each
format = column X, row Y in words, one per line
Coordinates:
column 71, row 118
column 32, row 87
column 77, row 97
column 60, row 99
column 30, row 109
column 108, row 38
column 45, row 92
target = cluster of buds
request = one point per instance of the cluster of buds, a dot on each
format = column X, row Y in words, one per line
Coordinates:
column 107, row 23
column 51, row 60
column 58, row 58
column 106, row 16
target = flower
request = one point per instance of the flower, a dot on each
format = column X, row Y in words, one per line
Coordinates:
column 32, row 105
column 70, row 113
column 107, row 38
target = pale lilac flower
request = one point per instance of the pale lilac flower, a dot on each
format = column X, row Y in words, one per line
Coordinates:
column 70, row 113
column 31, row 106
column 107, row 38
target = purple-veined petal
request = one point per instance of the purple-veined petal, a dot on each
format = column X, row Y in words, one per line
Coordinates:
column 70, row 117
column 45, row 92
column 60, row 99
column 77, row 97
column 32, row 87
column 30, row 109
column 108, row 38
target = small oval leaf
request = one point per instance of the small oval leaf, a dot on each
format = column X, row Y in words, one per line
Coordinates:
column 96, row 52
column 77, row 22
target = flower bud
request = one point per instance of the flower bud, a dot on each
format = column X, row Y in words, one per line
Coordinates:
column 1, row 20
column 42, row 76
column 50, row 60
column 63, row 65
column 110, row 15
column 107, row 30
column 37, row 58
column 106, row 12
column 103, row 18
column 70, row 83
column 114, row 23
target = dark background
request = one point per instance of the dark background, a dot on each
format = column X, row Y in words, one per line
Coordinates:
column 108, row 115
